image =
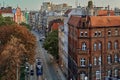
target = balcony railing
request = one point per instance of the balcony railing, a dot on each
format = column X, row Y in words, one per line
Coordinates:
column 80, row 51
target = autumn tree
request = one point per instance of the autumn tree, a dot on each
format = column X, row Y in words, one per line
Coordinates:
column 16, row 44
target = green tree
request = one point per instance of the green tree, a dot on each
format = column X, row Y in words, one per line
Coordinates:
column 26, row 25
column 6, row 21
column 51, row 43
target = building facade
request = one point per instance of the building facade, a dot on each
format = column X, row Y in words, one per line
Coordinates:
column 93, row 47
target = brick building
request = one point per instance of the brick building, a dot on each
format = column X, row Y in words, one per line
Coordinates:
column 93, row 47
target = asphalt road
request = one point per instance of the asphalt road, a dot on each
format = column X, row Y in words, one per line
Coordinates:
column 49, row 69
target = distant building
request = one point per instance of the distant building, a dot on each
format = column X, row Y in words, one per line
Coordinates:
column 18, row 15
column 7, row 12
column 117, row 11
column 94, row 47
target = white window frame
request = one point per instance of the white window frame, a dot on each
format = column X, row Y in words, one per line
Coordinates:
column 99, row 46
column 81, row 34
column 116, row 32
column 109, row 59
column 96, row 34
column 95, row 61
column 99, row 60
column 82, row 62
column 116, row 72
column 97, row 75
column 85, row 34
column 109, row 32
column 84, row 46
column 82, row 76
column 115, row 45
column 116, row 58
column 99, row 32
column 109, row 72
column 109, row 45
column 95, row 47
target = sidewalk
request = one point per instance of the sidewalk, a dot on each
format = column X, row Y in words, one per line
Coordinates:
column 59, row 72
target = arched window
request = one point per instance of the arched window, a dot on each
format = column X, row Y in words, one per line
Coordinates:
column 95, row 46
column 99, row 46
column 95, row 61
column 82, row 62
column 84, row 46
column 116, row 45
column 100, row 60
column 109, row 59
column 116, row 58
column 109, row 45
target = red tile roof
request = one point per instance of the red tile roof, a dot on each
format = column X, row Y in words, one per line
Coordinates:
column 74, row 20
column 55, row 26
column 105, row 12
column 6, row 11
column 100, row 21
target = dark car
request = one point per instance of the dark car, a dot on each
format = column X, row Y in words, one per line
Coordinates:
column 32, row 72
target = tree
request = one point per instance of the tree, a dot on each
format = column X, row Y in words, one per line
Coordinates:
column 6, row 21
column 51, row 43
column 16, row 44
column 26, row 25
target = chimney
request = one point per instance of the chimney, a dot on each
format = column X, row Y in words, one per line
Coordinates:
column 108, row 12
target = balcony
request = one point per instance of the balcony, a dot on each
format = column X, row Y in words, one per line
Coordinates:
column 80, row 51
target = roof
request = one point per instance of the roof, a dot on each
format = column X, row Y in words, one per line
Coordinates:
column 68, row 11
column 74, row 20
column 6, row 11
column 56, row 25
column 105, row 12
column 100, row 21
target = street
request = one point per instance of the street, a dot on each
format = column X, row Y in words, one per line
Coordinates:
column 51, row 70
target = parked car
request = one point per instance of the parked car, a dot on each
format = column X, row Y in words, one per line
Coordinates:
column 31, row 72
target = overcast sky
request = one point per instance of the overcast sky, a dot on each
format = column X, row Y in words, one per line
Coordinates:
column 35, row 4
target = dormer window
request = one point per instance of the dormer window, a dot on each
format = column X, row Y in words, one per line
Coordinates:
column 99, row 33
column 109, row 33
column 86, row 34
column 95, row 34
column 116, row 32
column 81, row 34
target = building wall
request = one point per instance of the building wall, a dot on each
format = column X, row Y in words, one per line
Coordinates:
column 94, row 35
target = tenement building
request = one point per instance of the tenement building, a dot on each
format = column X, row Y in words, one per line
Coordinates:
column 94, row 47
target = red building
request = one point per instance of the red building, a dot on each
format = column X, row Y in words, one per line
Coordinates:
column 94, row 47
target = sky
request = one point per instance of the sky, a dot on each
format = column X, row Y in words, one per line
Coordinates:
column 36, row 4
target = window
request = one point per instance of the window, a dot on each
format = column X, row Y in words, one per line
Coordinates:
column 82, row 76
column 99, row 33
column 82, row 62
column 84, row 46
column 109, row 45
column 116, row 32
column 81, row 34
column 95, row 61
column 109, row 33
column 115, row 45
column 109, row 59
column 100, row 60
column 116, row 72
column 116, row 58
column 99, row 46
column 97, row 75
column 95, row 46
column 109, row 72
column 86, row 34
column 95, row 34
